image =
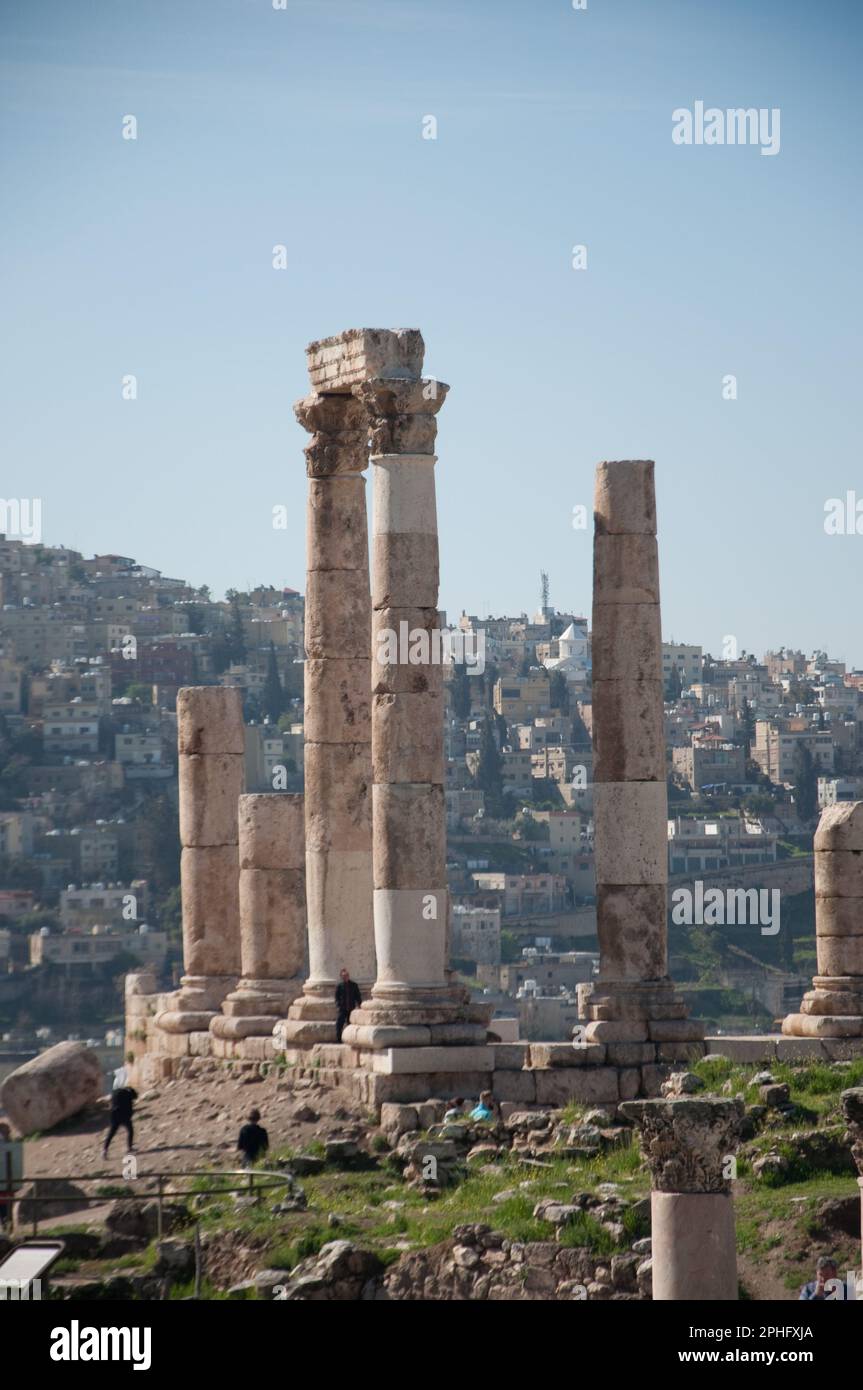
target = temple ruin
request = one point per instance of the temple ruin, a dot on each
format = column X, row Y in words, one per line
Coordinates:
column 281, row 892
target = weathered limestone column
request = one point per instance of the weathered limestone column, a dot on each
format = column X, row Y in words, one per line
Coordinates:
column 633, row 1000
column 413, row 1003
column 852, row 1108
column 688, row 1144
column 338, row 763
column 833, row 1008
column 272, row 915
column 211, row 778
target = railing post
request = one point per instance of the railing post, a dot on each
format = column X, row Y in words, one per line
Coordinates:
column 198, row 1260
column 159, row 1199
column 35, row 1200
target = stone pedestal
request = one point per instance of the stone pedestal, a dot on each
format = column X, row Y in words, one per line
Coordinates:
column 633, row 999
column 689, row 1147
column 833, row 1008
column 338, row 762
column 211, row 751
column 272, row 915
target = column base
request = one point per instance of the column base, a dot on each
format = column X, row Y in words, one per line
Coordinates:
column 197, row 1001
column 832, row 1008
column 636, row 1011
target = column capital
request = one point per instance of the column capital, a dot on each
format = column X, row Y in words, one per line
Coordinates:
column 339, row 428
column 686, row 1141
column 401, row 413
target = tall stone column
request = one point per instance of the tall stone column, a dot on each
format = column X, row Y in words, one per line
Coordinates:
column 633, row 1000
column 833, row 1008
column 338, row 764
column 687, row 1144
column 272, row 915
column 413, row 1004
column 211, row 757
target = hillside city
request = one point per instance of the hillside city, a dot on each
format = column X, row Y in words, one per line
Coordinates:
column 93, row 652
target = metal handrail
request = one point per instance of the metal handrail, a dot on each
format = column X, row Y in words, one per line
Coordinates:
column 271, row 1180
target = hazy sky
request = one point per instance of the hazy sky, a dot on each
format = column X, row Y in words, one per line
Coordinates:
column 303, row 126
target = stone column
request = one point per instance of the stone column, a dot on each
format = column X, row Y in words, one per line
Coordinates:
column 633, row 1000
column 687, row 1144
column 852, row 1108
column 413, row 1003
column 272, row 915
column 211, row 746
column 833, row 1008
column 338, row 771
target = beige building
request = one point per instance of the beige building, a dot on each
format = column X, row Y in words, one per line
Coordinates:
column 685, row 660
column 519, row 698
column 475, row 934
column 776, row 744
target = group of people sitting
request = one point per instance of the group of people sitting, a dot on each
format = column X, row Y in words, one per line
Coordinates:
column 461, row 1109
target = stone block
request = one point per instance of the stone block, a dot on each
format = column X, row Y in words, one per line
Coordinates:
column 209, row 893
column 624, row 500
column 839, row 874
column 209, row 720
column 629, row 1078
column 680, row 1052
column 840, row 955
column 407, row 738
column 631, row 829
column 584, row 1085
column 630, row 924
column 405, row 570
column 628, row 1054
column 628, row 731
column 337, row 700
column 509, row 1056
column 514, row 1086
column 627, row 642
column 616, row 1030
column 625, row 569
column 272, row 922
column 361, row 354
column 336, row 524
column 409, row 828
column 199, row 1044
column 52, row 1087
column 839, row 916
column 399, row 1119
column 271, row 831
column 338, row 614
column 652, row 1077
column 799, row 1050
column 566, row 1055
column 744, row 1049
column 399, row 1060
column 407, row 650
column 338, row 803
column 210, row 788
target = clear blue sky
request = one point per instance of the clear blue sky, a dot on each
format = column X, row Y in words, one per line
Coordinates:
column 303, row 126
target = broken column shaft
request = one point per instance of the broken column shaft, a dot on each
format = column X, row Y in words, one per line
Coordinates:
column 633, row 999
column 272, row 915
column 210, row 744
column 833, row 1008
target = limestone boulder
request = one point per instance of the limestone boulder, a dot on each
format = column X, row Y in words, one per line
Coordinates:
column 52, row 1087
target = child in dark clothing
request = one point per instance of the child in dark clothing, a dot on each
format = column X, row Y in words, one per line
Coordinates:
column 253, row 1139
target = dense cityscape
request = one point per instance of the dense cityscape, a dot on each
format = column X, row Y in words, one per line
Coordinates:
column 93, row 653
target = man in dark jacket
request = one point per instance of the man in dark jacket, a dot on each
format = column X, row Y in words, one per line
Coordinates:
column 122, row 1104
column 253, row 1140
column 348, row 997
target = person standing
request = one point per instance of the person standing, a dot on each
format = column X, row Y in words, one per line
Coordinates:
column 348, row 998
column 253, row 1140
column 122, row 1105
